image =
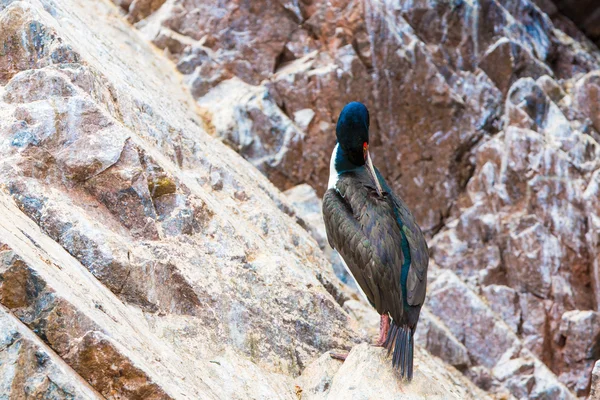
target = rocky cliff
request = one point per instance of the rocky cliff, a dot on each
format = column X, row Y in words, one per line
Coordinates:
column 143, row 258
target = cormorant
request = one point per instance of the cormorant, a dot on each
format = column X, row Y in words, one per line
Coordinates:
column 377, row 237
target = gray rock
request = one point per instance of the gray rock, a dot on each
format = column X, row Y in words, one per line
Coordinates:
column 368, row 374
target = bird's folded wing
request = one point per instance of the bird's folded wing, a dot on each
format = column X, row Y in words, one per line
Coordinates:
column 369, row 246
column 416, row 281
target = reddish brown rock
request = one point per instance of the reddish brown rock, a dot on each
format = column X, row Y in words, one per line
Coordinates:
column 500, row 360
column 504, row 301
column 525, row 201
column 434, row 336
column 30, row 369
column 587, row 97
column 505, row 62
column 580, row 333
column 435, row 81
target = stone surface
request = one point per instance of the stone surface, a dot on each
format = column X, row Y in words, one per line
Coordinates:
column 595, row 387
column 307, row 206
column 483, row 116
column 491, row 344
column 436, row 80
column 150, row 257
column 587, row 96
column 434, row 336
column 30, row 369
column 580, row 331
column 365, row 375
column 505, row 302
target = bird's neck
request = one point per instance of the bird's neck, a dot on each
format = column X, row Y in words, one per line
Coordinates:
column 338, row 164
column 342, row 163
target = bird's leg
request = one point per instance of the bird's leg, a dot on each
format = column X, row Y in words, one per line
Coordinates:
column 384, row 326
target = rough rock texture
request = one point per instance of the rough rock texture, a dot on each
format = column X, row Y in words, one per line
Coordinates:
column 141, row 258
column 485, row 118
column 307, row 207
column 147, row 255
column 527, row 222
column 30, row 369
column 363, row 376
column 272, row 76
column 158, row 264
column 595, row 388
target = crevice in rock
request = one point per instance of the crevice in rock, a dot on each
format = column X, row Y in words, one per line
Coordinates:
column 594, row 353
column 548, row 356
column 438, row 227
column 462, row 167
column 298, row 19
column 562, row 341
column 120, row 289
column 36, row 244
column 339, row 296
column 365, row 61
column 285, row 56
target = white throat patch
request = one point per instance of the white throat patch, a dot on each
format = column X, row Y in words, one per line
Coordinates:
column 333, row 174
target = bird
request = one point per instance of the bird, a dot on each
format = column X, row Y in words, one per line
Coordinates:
column 377, row 237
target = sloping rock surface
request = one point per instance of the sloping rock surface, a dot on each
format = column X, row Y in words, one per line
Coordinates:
column 146, row 254
column 365, row 375
column 157, row 263
column 30, row 369
column 140, row 258
column 484, row 118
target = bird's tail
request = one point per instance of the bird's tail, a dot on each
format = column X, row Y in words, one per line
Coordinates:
column 400, row 339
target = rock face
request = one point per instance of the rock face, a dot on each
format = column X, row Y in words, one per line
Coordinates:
column 526, row 222
column 363, row 376
column 435, row 84
column 29, row 369
column 147, row 255
column 484, row 118
column 142, row 258
column 595, row 389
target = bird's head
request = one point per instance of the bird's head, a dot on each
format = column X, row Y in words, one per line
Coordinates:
column 352, row 133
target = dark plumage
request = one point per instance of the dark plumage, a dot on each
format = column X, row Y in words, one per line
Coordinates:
column 377, row 236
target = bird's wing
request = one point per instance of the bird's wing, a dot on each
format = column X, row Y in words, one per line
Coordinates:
column 416, row 281
column 355, row 220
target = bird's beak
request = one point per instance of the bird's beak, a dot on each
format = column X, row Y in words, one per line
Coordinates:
column 371, row 170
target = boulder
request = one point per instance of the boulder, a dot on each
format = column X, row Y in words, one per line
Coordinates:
column 367, row 374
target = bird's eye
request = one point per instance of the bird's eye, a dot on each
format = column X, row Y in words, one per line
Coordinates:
column 365, row 149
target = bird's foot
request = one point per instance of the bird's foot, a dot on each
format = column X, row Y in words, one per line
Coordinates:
column 338, row 356
column 384, row 327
